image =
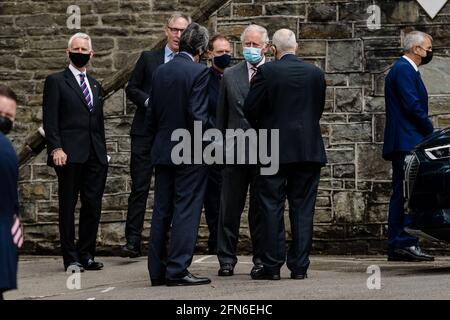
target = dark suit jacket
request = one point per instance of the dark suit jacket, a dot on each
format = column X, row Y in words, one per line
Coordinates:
column 179, row 97
column 139, row 86
column 289, row 95
column 68, row 123
column 233, row 91
column 213, row 93
column 9, row 206
column 406, row 100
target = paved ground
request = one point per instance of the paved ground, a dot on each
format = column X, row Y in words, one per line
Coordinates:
column 330, row 277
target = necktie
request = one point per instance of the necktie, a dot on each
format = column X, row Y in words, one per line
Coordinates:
column 85, row 89
column 170, row 56
column 253, row 73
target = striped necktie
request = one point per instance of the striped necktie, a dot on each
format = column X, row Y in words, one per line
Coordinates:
column 253, row 74
column 85, row 89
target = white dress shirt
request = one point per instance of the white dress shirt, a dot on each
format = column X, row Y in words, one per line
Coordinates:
column 168, row 54
column 76, row 74
column 412, row 63
column 250, row 68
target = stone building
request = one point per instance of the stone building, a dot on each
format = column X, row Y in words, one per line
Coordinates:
column 339, row 36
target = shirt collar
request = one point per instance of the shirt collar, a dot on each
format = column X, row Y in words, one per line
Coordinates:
column 286, row 54
column 250, row 66
column 168, row 52
column 189, row 55
column 217, row 73
column 75, row 71
column 411, row 62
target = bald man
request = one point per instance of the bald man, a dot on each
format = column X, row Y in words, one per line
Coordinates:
column 289, row 95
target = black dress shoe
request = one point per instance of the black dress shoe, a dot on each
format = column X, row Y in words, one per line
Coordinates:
column 298, row 276
column 187, row 280
column 74, row 267
column 262, row 274
column 158, row 282
column 413, row 253
column 256, row 268
column 130, row 251
column 226, row 270
column 92, row 265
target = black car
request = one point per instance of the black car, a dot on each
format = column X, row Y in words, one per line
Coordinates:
column 427, row 185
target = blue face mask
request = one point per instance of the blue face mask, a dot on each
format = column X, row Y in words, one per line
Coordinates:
column 252, row 55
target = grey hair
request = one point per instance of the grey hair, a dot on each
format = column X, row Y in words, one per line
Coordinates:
column 284, row 40
column 415, row 38
column 256, row 28
column 194, row 39
column 82, row 36
column 177, row 15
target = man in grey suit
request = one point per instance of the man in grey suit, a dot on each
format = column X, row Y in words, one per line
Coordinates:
column 238, row 177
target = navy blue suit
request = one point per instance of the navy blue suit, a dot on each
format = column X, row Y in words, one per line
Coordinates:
column 9, row 206
column 179, row 97
column 289, row 95
column 407, row 120
column 407, row 123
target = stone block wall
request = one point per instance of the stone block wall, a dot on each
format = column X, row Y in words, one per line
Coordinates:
column 351, row 210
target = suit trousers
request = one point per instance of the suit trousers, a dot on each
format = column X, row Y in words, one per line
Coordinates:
column 397, row 219
column 179, row 194
column 141, row 174
column 236, row 182
column 86, row 180
column 212, row 205
column 299, row 183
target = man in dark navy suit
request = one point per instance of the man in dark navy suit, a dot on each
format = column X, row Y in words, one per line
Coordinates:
column 10, row 230
column 141, row 169
column 75, row 135
column 288, row 95
column 179, row 97
column 219, row 51
column 407, row 123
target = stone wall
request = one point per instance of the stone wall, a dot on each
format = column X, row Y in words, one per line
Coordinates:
column 351, row 209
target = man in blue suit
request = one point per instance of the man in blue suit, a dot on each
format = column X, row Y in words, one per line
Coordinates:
column 179, row 97
column 10, row 231
column 407, row 123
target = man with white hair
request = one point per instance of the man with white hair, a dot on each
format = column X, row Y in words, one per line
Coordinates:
column 237, row 178
column 288, row 95
column 407, row 123
column 75, row 136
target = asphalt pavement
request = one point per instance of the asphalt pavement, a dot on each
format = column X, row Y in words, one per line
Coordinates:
column 330, row 277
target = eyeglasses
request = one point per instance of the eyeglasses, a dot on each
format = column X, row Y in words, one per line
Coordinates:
column 175, row 30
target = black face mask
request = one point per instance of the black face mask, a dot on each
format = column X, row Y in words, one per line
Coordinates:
column 428, row 57
column 5, row 125
column 222, row 61
column 79, row 59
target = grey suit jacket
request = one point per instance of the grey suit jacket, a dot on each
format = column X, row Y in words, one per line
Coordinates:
column 234, row 88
